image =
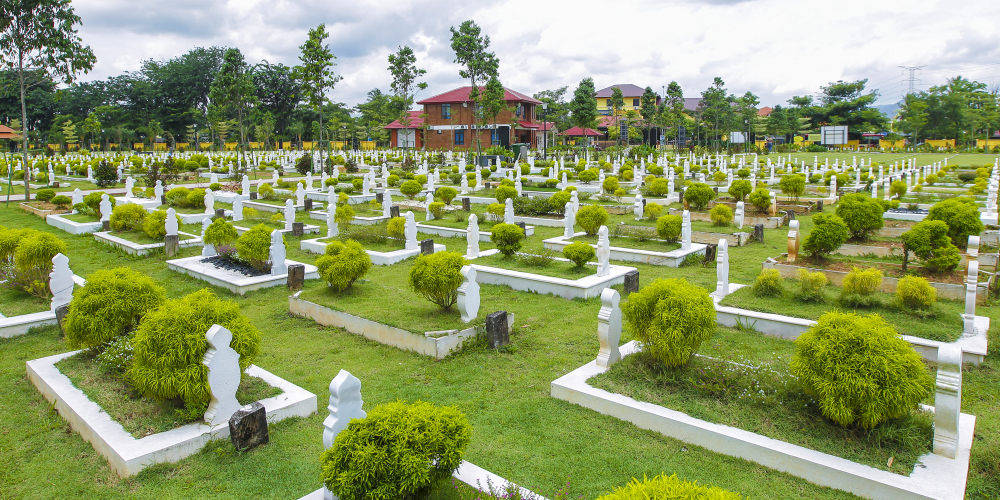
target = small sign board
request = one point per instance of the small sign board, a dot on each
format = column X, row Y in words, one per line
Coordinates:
column 834, row 134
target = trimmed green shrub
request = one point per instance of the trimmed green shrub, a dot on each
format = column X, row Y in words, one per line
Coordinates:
column 664, row 487
column 215, row 187
column 437, row 277
column 962, row 217
column 671, row 318
column 45, row 194
column 761, row 199
column 343, row 263
column 220, row 233
column 265, row 191
column 914, row 292
column 61, row 201
column 436, row 209
column 343, row 215
column 496, row 210
column 396, row 227
column 410, row 189
column 398, row 451
column 740, row 189
column 591, row 218
column 768, row 284
column 254, row 247
column 653, row 211
column 155, row 225
column 447, row 194
column 579, row 252
column 829, row 232
column 811, row 286
column 793, row 185
column 507, row 238
column 128, row 217
column 504, row 192
column 897, row 189
column 863, row 215
column 111, row 305
column 699, row 194
column 928, row 240
column 721, row 215
column 668, row 227
column 178, row 197
column 93, row 202
column 559, row 200
column 859, row 369
column 196, row 198
column 610, row 185
column 859, row 287
column 170, row 344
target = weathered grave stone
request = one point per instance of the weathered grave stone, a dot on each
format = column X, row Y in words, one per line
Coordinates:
column 603, row 252
column 710, row 250
column 609, row 328
column 296, row 276
column 105, row 225
column 819, row 205
column 758, row 232
column 163, row 199
column 298, row 228
column 791, row 215
column 524, row 228
column 497, row 334
column 220, row 213
column 632, row 281
column 680, row 196
column 248, row 427
column 722, row 268
column 171, row 244
column 61, row 313
column 277, row 254
column 394, row 211
column 466, row 204
column 427, row 246
column 308, row 204
column 379, row 197
column 793, row 240
column 253, row 195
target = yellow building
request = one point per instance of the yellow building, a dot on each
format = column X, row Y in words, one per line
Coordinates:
column 632, row 95
column 940, row 143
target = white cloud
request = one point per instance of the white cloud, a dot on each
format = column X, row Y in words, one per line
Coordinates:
column 773, row 48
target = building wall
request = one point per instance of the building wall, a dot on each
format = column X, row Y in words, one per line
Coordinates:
column 464, row 116
column 605, row 109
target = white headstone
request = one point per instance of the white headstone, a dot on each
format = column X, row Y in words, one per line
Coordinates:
column 686, row 230
column 60, row 282
column 245, row 186
column 223, row 364
column 740, row 213
column 472, row 237
column 300, row 194
column 508, row 211
column 237, row 209
column 332, row 230
column 105, row 207
column 345, row 405
column 129, row 184
column 277, row 254
column 575, row 200
column 209, row 201
column 638, row 207
column 77, row 197
column 289, row 215
column 609, row 328
column 158, row 190
column 386, row 204
column 171, row 222
column 948, row 401
column 568, row 220
column 410, row 232
column 722, row 268
column 603, row 252
column 468, row 295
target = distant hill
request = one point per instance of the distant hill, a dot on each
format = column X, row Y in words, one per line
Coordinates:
column 888, row 109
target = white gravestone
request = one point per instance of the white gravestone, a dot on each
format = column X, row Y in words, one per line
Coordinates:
column 345, row 405
column 105, row 207
column 223, row 364
column 465, row 183
column 722, row 268
column 472, row 237
column 237, row 209
column 410, row 232
column 603, row 252
column 129, row 185
column 638, row 207
column 468, row 295
column 214, row 178
column 568, row 220
column 300, row 195
column 609, row 328
column 245, row 186
column 209, row 201
column 508, row 211
column 170, row 225
column 60, row 282
column 575, row 200
column 274, row 177
column 277, row 254
column 77, row 197
column 289, row 215
column 686, row 230
column 740, row 213
column 971, row 283
column 386, row 204
column 332, row 230
column 207, row 250
column 158, row 190
column 948, row 401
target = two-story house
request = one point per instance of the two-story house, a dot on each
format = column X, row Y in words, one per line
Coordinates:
column 631, row 93
column 450, row 122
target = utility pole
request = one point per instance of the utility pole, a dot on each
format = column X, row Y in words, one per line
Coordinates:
column 912, row 79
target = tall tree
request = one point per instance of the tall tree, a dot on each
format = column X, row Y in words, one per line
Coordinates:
column 617, row 102
column 403, row 66
column 913, row 115
column 315, row 74
column 493, row 103
column 647, row 109
column 470, row 47
column 278, row 92
column 584, row 105
column 716, row 108
column 747, row 106
column 233, row 89
column 38, row 38
column 673, row 111
column 558, row 110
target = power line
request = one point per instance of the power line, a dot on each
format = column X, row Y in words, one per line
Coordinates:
column 913, row 78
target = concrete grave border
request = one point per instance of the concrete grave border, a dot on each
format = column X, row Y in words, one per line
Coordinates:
column 584, row 288
column 140, row 250
column 240, row 285
column 316, row 245
column 673, row 258
column 71, row 227
column 14, row 326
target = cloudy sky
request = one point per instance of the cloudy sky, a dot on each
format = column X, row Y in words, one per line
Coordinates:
column 773, row 48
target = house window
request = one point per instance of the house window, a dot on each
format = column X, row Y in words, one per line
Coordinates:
column 459, row 137
column 518, row 111
column 446, row 111
column 608, row 103
column 494, row 137
column 635, row 103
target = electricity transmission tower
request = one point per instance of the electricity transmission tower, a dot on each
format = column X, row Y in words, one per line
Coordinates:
column 914, row 81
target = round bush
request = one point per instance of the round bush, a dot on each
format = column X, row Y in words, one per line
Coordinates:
column 665, row 487
column 863, row 215
column 859, row 369
column 768, row 284
column 962, row 217
column 447, row 194
column 437, row 277
column 580, row 253
column 862, row 281
column 699, row 194
column 740, row 189
column 410, row 188
column 155, row 225
column 93, row 202
column 398, row 451
column 591, row 218
column 128, row 217
column 254, row 247
column 343, row 215
column 811, row 286
column 829, row 232
column 45, row 194
column 170, row 344
column 220, row 233
column 504, row 192
column 178, row 197
column 343, row 264
column 265, row 191
column 507, row 238
column 653, row 211
column 761, row 199
column 915, row 292
column 196, row 198
column 215, row 187
column 669, row 227
column 393, row 180
column 671, row 318
column 610, row 185
column 436, row 209
column 61, row 201
column 396, row 227
column 928, row 240
column 559, row 200
column 721, row 215
column 111, row 305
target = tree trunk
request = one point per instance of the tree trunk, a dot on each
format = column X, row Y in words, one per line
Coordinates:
column 24, row 129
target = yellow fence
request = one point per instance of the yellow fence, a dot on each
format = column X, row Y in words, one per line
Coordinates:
column 987, row 143
column 940, row 143
column 884, row 144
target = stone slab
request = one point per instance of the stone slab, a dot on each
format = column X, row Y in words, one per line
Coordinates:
column 232, row 281
column 673, row 258
column 72, row 227
column 140, row 250
column 318, row 246
column 584, row 288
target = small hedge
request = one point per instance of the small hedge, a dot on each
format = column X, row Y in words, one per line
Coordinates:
column 254, row 247
column 111, row 305
column 579, row 252
column 343, row 263
column 829, row 232
column 811, row 286
column 664, row 487
column 591, row 218
column 671, row 318
column 859, row 287
column 668, row 227
column 437, row 277
column 128, row 217
column 155, row 225
column 220, row 233
column 914, row 292
column 721, row 215
column 768, row 284
column 507, row 238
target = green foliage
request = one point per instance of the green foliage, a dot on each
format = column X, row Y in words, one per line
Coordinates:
column 155, row 225
column 265, row 191
column 105, row 175
column 343, row 264
column 914, row 292
column 447, row 194
column 811, row 286
column 863, row 215
column 254, row 247
column 45, row 194
column 699, row 194
column 768, row 284
column 664, row 487
column 507, row 238
column 740, row 189
column 437, row 277
column 897, row 189
column 653, row 211
column 591, row 218
column 170, row 345
column 829, row 232
column 721, row 215
column 93, row 202
column 859, row 287
column 859, row 369
column 962, row 217
column 111, row 305
column 343, row 215
column 588, row 176
column 610, row 185
column 128, row 217
column 215, row 187
column 220, row 233
column 177, row 197
column 396, row 227
column 669, row 227
column 436, row 209
column 671, row 318
column 304, row 164
column 579, row 252
column 793, row 185
column 61, row 201
column 931, row 179
column 929, row 241
column 410, row 189
column 761, row 199
column 504, row 192
column 393, row 180
column 559, row 200
column 398, row 451
column 196, row 198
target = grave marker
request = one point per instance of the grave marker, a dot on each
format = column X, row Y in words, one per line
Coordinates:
column 632, row 281
column 296, row 276
column 248, row 427
column 948, row 400
column 427, row 246
column 223, row 375
column 468, row 295
column 609, row 328
column 497, row 334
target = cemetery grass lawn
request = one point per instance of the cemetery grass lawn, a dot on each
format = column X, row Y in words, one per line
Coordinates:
column 555, row 268
column 141, row 238
column 141, row 416
column 16, row 302
column 519, row 431
column 696, row 225
column 944, row 326
column 194, row 210
column 633, row 243
column 764, row 398
column 81, row 218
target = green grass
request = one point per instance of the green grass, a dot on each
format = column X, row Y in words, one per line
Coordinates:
column 634, row 243
column 81, row 218
column 519, row 431
column 759, row 395
column 555, row 269
column 195, row 210
column 141, row 238
column 945, row 325
column 17, row 302
column 141, row 416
